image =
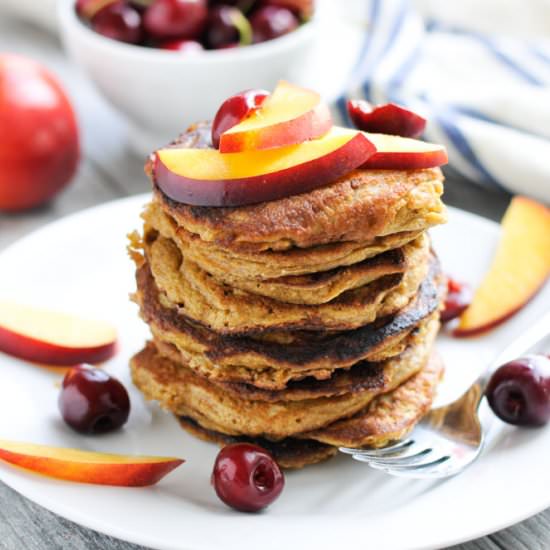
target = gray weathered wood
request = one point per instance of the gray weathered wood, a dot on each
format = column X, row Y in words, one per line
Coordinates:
column 108, row 172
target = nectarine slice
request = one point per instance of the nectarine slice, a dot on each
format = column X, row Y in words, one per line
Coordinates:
column 291, row 115
column 86, row 466
column 399, row 153
column 519, row 269
column 53, row 338
column 209, row 178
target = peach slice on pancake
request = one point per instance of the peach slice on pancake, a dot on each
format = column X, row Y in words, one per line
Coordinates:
column 289, row 116
column 207, row 177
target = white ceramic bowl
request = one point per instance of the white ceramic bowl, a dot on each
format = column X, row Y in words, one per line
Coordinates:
column 162, row 92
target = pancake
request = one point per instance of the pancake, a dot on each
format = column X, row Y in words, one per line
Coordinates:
column 389, row 418
column 365, row 375
column 360, row 206
column 270, row 365
column 194, row 294
column 179, row 390
column 322, row 287
column 290, row 453
column 268, row 265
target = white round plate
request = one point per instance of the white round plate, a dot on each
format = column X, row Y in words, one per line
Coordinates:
column 79, row 264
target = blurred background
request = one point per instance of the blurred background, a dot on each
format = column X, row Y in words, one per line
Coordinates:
column 477, row 69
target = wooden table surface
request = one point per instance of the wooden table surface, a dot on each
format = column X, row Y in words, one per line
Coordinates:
column 109, row 171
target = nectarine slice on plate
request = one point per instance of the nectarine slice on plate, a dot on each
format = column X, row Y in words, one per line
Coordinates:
column 53, row 338
column 86, row 466
column 207, row 177
column 291, row 115
column 399, row 153
column 519, row 269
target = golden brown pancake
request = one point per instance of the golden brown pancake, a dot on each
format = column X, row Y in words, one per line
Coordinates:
column 179, row 390
column 195, row 294
column 322, row 287
column 248, row 266
column 299, row 324
column 360, row 206
column 268, row 364
column 388, row 418
column 308, row 288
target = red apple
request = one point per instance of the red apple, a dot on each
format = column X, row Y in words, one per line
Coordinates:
column 53, row 338
column 385, row 119
column 399, row 153
column 209, row 178
column 289, row 116
column 86, row 466
column 39, row 147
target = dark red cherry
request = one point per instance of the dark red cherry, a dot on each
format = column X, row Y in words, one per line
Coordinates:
column 459, row 297
column 235, row 109
column 519, row 391
column 246, row 477
column 93, row 402
column 385, row 119
column 173, row 19
column 226, row 25
column 118, row 21
column 270, row 22
column 183, row 46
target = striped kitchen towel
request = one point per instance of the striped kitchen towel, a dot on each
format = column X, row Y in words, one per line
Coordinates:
column 486, row 96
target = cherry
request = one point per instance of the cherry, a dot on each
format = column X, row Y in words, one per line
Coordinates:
column 385, row 119
column 270, row 22
column 235, row 109
column 459, row 296
column 519, row 391
column 246, row 477
column 93, row 402
column 118, row 21
column 226, row 25
column 172, row 19
column 183, row 46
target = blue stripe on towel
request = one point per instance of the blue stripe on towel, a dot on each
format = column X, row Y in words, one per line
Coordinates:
column 373, row 18
column 460, row 142
column 341, row 102
column 510, row 62
column 539, row 54
column 396, row 27
column 341, row 105
column 405, row 68
column 504, row 58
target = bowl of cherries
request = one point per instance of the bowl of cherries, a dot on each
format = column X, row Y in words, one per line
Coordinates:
column 167, row 63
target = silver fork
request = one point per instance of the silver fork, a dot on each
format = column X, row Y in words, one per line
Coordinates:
column 451, row 437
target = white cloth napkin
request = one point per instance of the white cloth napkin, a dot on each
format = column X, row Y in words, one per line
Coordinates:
column 485, row 93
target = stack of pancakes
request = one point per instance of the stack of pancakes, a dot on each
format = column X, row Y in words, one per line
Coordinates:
column 301, row 324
